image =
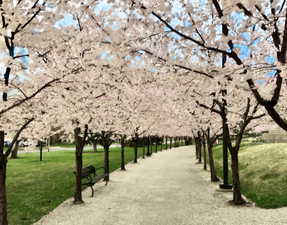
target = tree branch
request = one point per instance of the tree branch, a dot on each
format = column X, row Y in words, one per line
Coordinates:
column 176, row 65
column 207, row 107
column 282, row 54
column 29, row 97
column 255, row 92
column 7, row 153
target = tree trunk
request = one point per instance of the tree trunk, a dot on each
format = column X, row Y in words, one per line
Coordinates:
column 14, row 153
column 175, row 142
column 144, row 151
column 196, row 148
column 79, row 165
column 41, row 150
column 78, row 188
column 3, row 196
column 136, row 150
column 204, row 154
column 213, row 176
column 123, row 155
column 225, row 154
column 3, row 199
column 237, row 197
column 166, row 143
column 95, row 146
column 48, row 144
column 161, row 144
column 151, row 145
column 107, row 163
column 199, row 150
column 170, row 143
column 156, row 143
column 148, row 147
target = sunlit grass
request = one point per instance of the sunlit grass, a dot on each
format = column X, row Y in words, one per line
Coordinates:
column 263, row 171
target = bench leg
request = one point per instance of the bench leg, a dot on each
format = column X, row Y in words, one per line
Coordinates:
column 92, row 191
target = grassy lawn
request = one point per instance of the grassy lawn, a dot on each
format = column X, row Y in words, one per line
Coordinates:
column 263, row 171
column 34, row 188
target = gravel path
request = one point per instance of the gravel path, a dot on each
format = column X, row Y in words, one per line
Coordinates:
column 166, row 189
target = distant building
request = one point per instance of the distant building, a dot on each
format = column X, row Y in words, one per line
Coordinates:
column 277, row 135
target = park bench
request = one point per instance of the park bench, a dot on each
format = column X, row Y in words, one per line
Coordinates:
column 90, row 177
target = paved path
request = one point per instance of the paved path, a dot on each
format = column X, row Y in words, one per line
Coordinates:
column 166, row 189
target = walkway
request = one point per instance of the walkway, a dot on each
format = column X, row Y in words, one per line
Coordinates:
column 166, row 189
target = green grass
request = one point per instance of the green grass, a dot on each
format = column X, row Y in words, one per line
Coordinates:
column 35, row 188
column 263, row 172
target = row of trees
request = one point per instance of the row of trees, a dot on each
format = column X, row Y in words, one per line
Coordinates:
column 67, row 84
column 139, row 68
column 230, row 59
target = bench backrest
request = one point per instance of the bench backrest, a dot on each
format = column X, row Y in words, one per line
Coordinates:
column 87, row 171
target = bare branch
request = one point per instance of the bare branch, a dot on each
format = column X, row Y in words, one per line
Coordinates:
column 7, row 153
column 20, row 102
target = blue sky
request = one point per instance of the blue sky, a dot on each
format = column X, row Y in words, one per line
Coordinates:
column 68, row 20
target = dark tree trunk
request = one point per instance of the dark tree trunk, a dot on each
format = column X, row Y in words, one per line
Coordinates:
column 196, row 148
column 213, row 176
column 48, row 144
column 161, row 144
column 79, row 165
column 107, row 163
column 144, row 151
column 14, row 153
column 78, row 188
column 148, row 147
column 204, row 154
column 41, row 150
column 136, row 149
column 3, row 200
column 151, row 145
column 237, row 197
column 3, row 196
column 175, row 142
column 210, row 142
column 225, row 152
column 156, row 143
column 170, row 143
column 123, row 154
column 199, row 147
column 95, row 146
column 166, row 143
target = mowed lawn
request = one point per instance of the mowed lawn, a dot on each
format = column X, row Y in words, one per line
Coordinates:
column 34, row 188
column 263, row 172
